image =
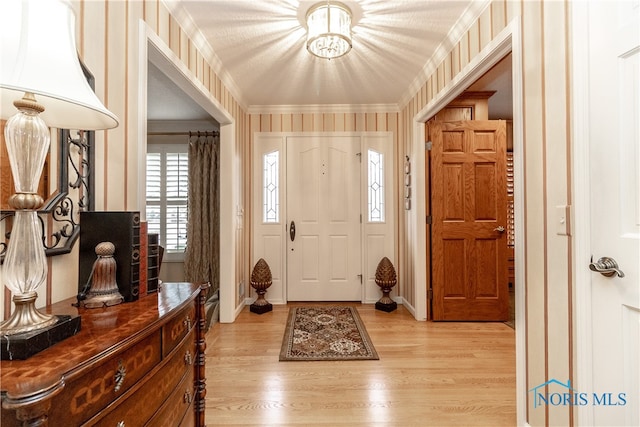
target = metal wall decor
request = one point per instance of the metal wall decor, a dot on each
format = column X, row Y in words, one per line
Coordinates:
column 60, row 215
column 407, row 183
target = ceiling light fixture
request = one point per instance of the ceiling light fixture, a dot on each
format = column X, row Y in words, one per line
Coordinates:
column 329, row 30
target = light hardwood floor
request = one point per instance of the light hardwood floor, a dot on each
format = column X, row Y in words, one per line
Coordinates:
column 429, row 374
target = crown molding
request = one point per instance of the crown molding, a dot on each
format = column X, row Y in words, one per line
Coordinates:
column 323, row 108
column 176, row 9
column 468, row 18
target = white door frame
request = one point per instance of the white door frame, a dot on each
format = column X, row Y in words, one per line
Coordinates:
column 152, row 48
column 377, row 239
column 508, row 40
column 581, row 202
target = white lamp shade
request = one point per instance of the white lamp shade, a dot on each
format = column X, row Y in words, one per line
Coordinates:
column 38, row 54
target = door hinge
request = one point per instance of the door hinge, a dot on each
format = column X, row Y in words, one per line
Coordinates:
column 428, row 145
column 360, row 218
column 430, row 294
column 429, row 219
column 360, row 277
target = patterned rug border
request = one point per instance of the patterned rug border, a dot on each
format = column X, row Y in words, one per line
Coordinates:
column 287, row 340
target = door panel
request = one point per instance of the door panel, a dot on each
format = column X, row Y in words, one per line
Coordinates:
column 323, row 199
column 310, row 252
column 469, row 213
column 614, row 184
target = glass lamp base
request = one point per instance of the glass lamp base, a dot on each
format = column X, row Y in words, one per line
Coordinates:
column 25, row 317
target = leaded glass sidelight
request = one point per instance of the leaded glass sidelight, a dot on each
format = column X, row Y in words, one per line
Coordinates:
column 375, row 173
column 271, row 187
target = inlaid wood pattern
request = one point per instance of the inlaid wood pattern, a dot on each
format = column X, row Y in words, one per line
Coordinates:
column 122, row 365
column 429, row 374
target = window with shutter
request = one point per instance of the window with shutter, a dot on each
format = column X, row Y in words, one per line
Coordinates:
column 167, row 196
column 511, row 240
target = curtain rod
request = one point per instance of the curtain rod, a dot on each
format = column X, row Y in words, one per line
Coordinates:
column 197, row 133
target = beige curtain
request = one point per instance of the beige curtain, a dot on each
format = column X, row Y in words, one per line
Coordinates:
column 202, row 256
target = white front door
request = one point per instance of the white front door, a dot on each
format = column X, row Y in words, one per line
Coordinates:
column 611, row 101
column 323, row 219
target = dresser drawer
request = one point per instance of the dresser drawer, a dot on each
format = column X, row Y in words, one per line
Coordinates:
column 141, row 405
column 86, row 395
column 152, row 348
column 176, row 329
column 173, row 410
column 189, row 419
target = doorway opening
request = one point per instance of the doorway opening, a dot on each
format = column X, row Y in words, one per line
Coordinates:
column 470, row 194
column 316, row 198
column 153, row 50
column 505, row 43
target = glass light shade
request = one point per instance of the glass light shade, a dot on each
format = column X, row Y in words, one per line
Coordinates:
column 38, row 48
column 329, row 30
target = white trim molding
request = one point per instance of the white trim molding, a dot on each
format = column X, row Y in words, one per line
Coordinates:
column 323, row 108
column 467, row 19
column 581, row 219
column 200, row 42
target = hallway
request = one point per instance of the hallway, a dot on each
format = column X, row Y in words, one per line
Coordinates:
column 429, row 374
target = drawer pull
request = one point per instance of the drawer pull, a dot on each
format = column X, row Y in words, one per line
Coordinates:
column 120, row 424
column 187, row 397
column 188, row 359
column 187, row 322
column 119, row 377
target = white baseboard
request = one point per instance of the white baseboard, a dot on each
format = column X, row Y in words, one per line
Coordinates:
column 251, row 300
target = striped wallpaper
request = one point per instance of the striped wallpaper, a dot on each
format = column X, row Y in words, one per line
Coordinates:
column 108, row 44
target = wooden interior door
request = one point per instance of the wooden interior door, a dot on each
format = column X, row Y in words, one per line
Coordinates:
column 469, row 219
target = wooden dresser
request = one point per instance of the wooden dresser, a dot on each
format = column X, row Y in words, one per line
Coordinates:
column 134, row 364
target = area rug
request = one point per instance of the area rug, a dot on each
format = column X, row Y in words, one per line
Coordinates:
column 326, row 333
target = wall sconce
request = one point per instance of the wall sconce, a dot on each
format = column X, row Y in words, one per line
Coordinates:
column 407, row 183
column 41, row 76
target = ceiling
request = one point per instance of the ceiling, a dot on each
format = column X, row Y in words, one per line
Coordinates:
column 259, row 48
column 166, row 101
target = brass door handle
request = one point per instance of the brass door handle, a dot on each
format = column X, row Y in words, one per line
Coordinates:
column 292, row 231
column 499, row 229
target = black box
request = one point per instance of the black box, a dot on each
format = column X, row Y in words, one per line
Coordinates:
column 123, row 230
column 24, row 345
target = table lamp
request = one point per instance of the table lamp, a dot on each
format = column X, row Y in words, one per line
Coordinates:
column 41, row 85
